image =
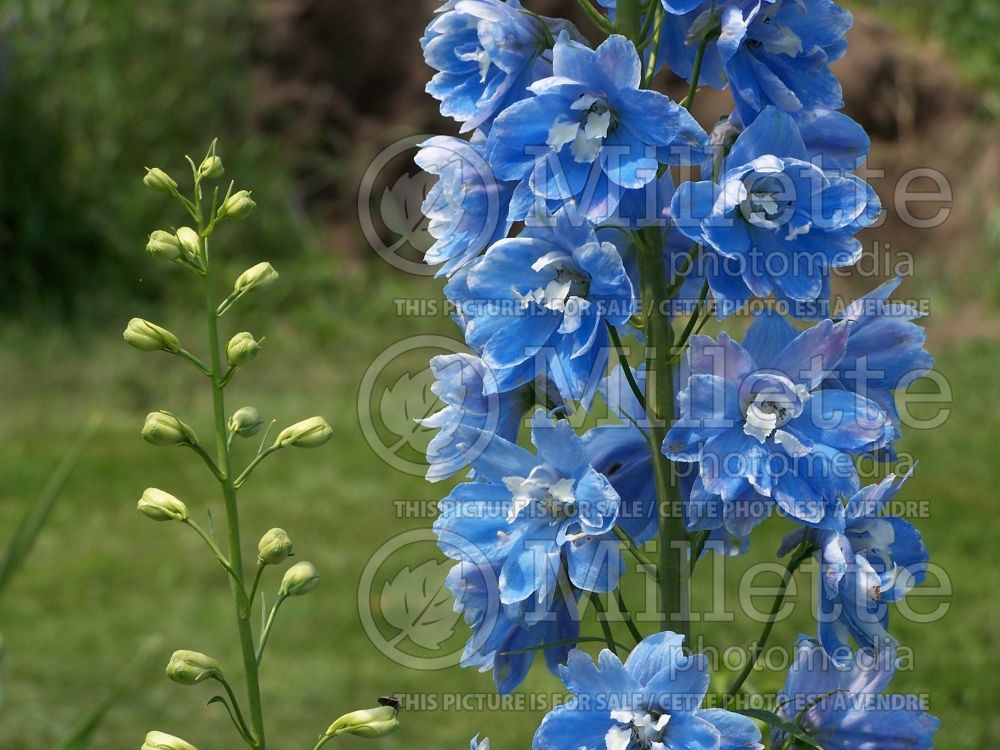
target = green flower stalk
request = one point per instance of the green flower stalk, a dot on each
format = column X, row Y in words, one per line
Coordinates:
column 189, row 246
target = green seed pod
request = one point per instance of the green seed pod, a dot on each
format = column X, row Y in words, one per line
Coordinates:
column 237, row 206
column 299, row 579
column 164, row 245
column 369, row 723
column 309, row 433
column 245, row 422
column 256, row 278
column 211, row 168
column 158, row 180
column 149, row 337
column 241, row 349
column 164, row 429
column 189, row 241
column 162, row 506
column 191, row 667
column 274, row 547
column 164, row 741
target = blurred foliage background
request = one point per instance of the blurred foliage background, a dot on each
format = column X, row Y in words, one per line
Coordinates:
column 303, row 94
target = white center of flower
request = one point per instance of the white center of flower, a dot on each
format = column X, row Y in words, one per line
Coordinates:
column 636, row 730
column 545, row 491
column 585, row 134
column 772, row 401
column 565, row 293
column 480, row 56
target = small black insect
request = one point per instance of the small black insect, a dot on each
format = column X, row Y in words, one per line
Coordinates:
column 390, row 700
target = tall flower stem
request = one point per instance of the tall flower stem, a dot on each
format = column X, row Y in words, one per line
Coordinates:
column 224, row 462
column 674, row 580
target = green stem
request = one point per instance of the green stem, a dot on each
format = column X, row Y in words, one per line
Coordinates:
column 599, row 20
column 674, row 580
column 201, row 366
column 599, row 613
column 629, row 620
column 804, row 552
column 648, row 567
column 253, row 465
column 699, row 58
column 628, row 20
column 626, row 367
column 232, row 514
column 266, row 632
column 215, row 549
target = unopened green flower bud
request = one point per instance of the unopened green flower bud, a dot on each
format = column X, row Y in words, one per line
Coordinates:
column 241, row 349
column 237, row 206
column 256, row 278
column 189, row 241
column 274, row 547
column 158, row 180
column 245, row 422
column 162, row 506
column 299, row 579
column 211, row 168
column 164, row 245
column 164, row 741
column 163, row 428
column 368, row 723
column 309, row 433
column 149, row 337
column 191, row 667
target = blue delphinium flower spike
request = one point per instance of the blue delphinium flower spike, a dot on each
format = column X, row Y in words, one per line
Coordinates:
column 845, row 709
column 590, row 132
column 535, row 516
column 477, row 744
column 756, row 417
column 651, row 702
column 876, row 559
column 543, row 300
column 784, row 220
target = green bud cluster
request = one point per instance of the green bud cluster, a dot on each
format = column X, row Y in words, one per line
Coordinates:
column 368, row 723
column 162, row 506
column 164, row 429
column 299, row 579
column 309, row 433
column 164, row 741
column 192, row 667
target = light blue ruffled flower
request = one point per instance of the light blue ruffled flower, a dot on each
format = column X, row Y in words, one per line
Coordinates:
column 535, row 516
column 756, row 417
column 845, row 708
column 541, row 302
column 780, row 219
column 874, row 560
column 651, row 702
column 590, row 132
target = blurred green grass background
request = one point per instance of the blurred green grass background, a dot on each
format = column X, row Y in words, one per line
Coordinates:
column 92, row 90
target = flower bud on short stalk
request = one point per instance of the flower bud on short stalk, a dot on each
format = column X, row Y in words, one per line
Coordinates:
column 369, row 723
column 274, row 547
column 190, row 242
column 245, row 422
column 241, row 349
column 309, row 433
column 236, row 206
column 149, row 337
column 164, row 245
column 163, row 741
column 211, row 168
column 163, row 428
column 191, row 667
column 256, row 278
column 299, row 579
column 158, row 180
column 162, row 506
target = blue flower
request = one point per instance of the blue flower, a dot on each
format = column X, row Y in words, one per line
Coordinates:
column 460, row 382
column 756, row 417
column 772, row 52
column 499, row 629
column 486, row 53
column 475, row 744
column 782, row 220
column 535, row 516
column 545, row 297
column 590, row 132
column 467, row 208
column 873, row 561
column 885, row 349
column 652, row 702
column 843, row 709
